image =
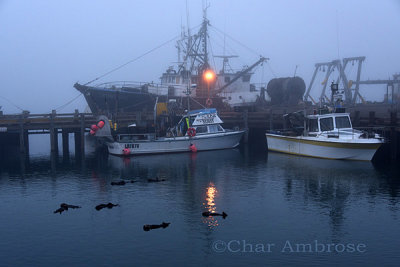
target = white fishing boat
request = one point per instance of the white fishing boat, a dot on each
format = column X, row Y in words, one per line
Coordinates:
column 196, row 131
column 329, row 136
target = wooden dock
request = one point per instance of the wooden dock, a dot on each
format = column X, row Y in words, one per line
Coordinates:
column 15, row 129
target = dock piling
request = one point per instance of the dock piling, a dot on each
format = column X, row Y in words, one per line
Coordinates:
column 371, row 118
column 21, row 139
column 23, row 135
column 53, row 133
column 246, row 126
column 393, row 136
column 271, row 119
column 356, row 120
column 65, row 142
column 82, row 135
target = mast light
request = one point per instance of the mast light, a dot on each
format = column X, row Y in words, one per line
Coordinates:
column 209, row 75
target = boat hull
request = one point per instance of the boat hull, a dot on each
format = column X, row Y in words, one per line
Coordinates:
column 360, row 149
column 178, row 144
column 101, row 100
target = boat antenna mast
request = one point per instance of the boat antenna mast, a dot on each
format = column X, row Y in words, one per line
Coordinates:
column 205, row 33
column 196, row 49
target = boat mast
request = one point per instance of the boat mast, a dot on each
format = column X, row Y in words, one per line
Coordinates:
column 205, row 24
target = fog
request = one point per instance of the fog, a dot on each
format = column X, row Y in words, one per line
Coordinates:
column 46, row 46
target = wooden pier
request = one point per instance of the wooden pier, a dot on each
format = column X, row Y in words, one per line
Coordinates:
column 15, row 129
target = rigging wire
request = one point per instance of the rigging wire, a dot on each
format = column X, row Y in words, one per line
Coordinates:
column 212, row 53
column 69, row 102
column 139, row 57
column 197, row 102
column 234, row 52
column 213, row 59
column 9, row 101
column 270, row 68
column 133, row 60
column 233, row 39
column 262, row 74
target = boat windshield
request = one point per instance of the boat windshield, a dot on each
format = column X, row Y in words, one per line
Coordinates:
column 201, row 129
column 313, row 125
column 326, row 124
column 342, row 122
column 215, row 128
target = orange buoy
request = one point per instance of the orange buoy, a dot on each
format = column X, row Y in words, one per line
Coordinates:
column 100, row 124
column 94, row 127
column 92, row 132
column 193, row 148
column 126, row 151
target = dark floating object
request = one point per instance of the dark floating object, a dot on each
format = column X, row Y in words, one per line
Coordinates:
column 122, row 182
column 64, row 207
column 118, row 183
column 109, row 205
column 207, row 214
column 155, row 180
column 67, row 206
column 148, row 227
column 60, row 210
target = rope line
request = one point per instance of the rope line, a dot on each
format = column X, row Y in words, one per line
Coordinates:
column 139, row 57
column 233, row 39
column 69, row 102
column 9, row 101
column 197, row 101
column 133, row 60
column 270, row 68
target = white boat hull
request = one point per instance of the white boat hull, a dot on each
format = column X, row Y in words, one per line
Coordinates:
column 178, row 144
column 329, row 148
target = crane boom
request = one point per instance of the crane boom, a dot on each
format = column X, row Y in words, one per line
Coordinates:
column 241, row 73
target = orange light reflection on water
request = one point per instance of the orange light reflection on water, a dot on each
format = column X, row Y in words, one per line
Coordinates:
column 211, row 193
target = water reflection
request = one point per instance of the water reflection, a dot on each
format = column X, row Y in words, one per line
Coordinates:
column 268, row 198
column 331, row 186
column 210, row 206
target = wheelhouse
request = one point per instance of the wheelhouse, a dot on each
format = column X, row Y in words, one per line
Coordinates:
column 204, row 121
column 328, row 122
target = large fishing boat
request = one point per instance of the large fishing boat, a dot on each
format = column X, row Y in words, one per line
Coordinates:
column 328, row 135
column 193, row 71
column 198, row 130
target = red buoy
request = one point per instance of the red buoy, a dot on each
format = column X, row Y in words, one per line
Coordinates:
column 94, row 127
column 193, row 148
column 100, row 124
column 126, row 151
column 92, row 132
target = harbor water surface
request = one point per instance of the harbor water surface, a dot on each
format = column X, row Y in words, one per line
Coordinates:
column 282, row 210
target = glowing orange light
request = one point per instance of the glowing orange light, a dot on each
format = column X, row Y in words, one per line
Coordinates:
column 209, row 75
column 211, row 194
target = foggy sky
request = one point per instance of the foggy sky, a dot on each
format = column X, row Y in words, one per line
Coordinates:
column 46, row 46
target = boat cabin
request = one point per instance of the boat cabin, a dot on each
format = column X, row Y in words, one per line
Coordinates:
column 204, row 121
column 332, row 122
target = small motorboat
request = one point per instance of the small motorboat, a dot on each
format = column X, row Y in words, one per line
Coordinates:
column 198, row 130
column 325, row 134
column 329, row 136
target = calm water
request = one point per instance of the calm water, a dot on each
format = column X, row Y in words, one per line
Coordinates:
column 282, row 210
